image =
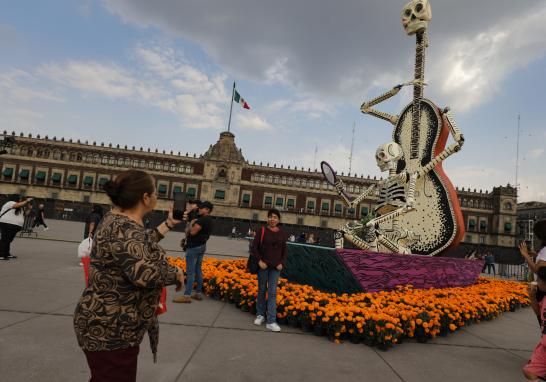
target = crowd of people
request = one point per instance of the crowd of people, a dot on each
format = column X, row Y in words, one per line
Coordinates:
column 128, row 271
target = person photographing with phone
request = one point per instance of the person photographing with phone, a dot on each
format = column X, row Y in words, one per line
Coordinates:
column 12, row 218
column 127, row 273
column 196, row 245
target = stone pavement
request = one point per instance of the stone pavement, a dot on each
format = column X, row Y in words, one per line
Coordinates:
column 214, row 341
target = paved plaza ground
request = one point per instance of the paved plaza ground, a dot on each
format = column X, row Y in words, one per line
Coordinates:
column 214, row 341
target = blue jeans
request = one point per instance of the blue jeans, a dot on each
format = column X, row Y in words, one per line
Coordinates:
column 267, row 280
column 194, row 259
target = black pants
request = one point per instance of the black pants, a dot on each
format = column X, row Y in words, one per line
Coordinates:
column 489, row 266
column 39, row 222
column 9, row 231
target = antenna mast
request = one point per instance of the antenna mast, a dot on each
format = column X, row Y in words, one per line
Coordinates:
column 517, row 155
column 352, row 148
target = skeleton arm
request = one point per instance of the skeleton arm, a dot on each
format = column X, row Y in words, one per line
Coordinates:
column 340, row 187
column 366, row 107
column 448, row 151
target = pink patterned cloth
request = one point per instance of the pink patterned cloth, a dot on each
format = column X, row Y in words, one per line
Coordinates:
column 537, row 363
column 380, row 271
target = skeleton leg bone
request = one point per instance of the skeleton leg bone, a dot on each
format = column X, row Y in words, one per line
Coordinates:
column 348, row 232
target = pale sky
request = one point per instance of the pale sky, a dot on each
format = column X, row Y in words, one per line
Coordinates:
column 159, row 74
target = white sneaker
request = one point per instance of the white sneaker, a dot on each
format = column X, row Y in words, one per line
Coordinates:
column 259, row 320
column 274, row 327
column 46, row 229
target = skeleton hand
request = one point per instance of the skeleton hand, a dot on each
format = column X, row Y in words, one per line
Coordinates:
column 459, row 138
column 414, row 82
column 340, row 186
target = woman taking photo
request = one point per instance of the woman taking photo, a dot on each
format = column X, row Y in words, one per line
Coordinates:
column 127, row 273
column 270, row 250
column 12, row 218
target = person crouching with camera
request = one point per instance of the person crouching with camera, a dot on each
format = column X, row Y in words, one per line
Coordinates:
column 196, row 245
column 127, row 273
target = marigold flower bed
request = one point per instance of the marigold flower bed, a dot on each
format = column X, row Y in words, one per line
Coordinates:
column 377, row 319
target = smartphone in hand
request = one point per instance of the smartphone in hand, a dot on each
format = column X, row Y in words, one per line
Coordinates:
column 179, row 205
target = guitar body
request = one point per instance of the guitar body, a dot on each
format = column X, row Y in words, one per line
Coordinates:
column 437, row 221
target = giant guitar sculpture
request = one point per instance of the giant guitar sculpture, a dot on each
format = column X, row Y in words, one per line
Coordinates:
column 432, row 222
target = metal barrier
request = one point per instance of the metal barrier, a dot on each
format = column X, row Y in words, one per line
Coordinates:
column 518, row 272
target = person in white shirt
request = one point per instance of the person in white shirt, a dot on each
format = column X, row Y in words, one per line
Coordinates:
column 12, row 218
column 540, row 232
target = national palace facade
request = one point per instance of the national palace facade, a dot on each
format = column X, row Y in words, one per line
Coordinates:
column 63, row 170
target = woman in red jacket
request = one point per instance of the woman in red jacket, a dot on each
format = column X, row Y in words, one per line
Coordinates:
column 270, row 249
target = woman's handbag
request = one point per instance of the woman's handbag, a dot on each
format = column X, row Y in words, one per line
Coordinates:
column 162, row 307
column 252, row 262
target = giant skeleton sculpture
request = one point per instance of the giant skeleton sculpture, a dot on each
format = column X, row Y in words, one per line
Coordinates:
column 418, row 210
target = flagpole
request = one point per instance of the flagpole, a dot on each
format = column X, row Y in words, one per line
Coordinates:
column 231, row 107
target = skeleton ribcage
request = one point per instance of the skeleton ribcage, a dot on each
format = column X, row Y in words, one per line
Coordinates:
column 391, row 197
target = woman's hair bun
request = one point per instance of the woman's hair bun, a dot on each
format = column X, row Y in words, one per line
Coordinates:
column 112, row 190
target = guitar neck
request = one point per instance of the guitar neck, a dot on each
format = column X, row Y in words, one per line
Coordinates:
column 417, row 92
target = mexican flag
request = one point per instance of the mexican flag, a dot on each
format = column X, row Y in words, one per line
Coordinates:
column 240, row 100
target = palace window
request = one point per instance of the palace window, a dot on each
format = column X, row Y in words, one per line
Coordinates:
column 364, row 211
column 120, row 162
column 290, row 203
column 220, row 194
column 246, row 200
column 268, row 201
column 310, row 206
column 40, row 176
column 191, row 192
column 162, row 190
column 279, row 202
column 72, row 180
column 325, row 207
column 88, row 181
column 56, row 178
column 8, row 173
column 173, row 167
column 270, row 179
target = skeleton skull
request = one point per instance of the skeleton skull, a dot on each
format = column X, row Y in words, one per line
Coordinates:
column 415, row 16
column 387, row 156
